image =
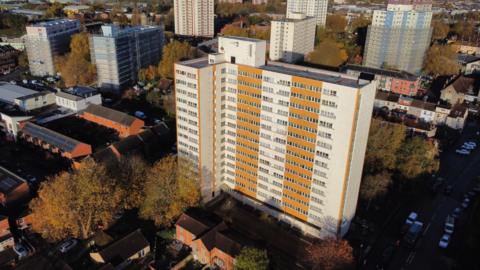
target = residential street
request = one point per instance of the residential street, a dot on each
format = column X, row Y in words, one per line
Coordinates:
column 457, row 170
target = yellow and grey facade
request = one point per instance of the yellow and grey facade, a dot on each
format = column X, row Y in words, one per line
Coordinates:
column 287, row 139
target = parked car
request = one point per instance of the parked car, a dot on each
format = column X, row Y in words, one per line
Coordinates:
column 21, row 250
column 468, row 146
column 449, row 224
column 456, row 212
column 412, row 217
column 67, row 245
column 140, row 114
column 471, row 143
column 444, row 241
column 413, row 234
column 463, row 152
column 466, row 202
column 477, row 188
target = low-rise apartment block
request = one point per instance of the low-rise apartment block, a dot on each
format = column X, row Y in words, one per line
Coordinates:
column 78, row 98
column 398, row 82
column 292, row 38
column 123, row 123
column 288, row 139
column 25, row 99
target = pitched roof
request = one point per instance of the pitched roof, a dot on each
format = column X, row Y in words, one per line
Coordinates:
column 124, row 248
column 462, row 84
column 56, row 139
column 387, row 96
column 196, row 226
column 9, row 181
column 110, row 114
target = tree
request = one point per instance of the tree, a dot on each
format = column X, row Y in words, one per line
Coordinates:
column 154, row 98
column 331, row 254
column 464, row 29
column 441, row 60
column 148, row 74
column 381, row 154
column 251, row 258
column 54, row 10
column 132, row 177
column 75, row 67
column 336, row 23
column 74, row 204
column 328, row 53
column 12, row 25
column 374, row 186
column 173, row 52
column 416, row 157
column 359, row 22
column 23, row 59
column 232, row 30
column 171, row 187
column 440, row 30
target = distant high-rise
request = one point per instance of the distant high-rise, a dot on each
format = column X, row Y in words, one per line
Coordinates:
column 193, row 17
column 288, row 139
column 45, row 41
column 399, row 36
column 311, row 8
column 120, row 52
column 292, row 38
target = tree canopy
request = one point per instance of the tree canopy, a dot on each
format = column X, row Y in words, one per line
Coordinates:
column 416, row 157
column 330, row 254
column 440, row 30
column 75, row 67
column 74, row 204
column 328, row 53
column 441, row 60
column 172, row 187
column 173, row 52
column 375, row 185
column 336, row 23
column 251, row 258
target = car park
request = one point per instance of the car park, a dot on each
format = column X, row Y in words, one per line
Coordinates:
column 67, row 245
column 444, row 241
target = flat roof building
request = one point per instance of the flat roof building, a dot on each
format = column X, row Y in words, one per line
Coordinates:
column 292, row 38
column 78, row 98
column 288, row 139
column 120, row 52
column 25, row 99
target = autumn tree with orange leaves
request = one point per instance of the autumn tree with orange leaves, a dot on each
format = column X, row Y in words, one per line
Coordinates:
column 76, row 67
column 171, row 187
column 331, row 254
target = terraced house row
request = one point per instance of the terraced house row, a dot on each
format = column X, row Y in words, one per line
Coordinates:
column 287, row 139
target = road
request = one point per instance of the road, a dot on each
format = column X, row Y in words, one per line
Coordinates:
column 459, row 171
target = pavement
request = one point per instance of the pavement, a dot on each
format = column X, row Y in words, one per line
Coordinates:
column 458, row 171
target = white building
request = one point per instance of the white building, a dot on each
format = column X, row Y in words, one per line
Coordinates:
column 288, row 137
column 78, row 98
column 23, row 98
column 311, row 8
column 291, row 39
column 194, row 17
column 46, row 40
column 399, row 36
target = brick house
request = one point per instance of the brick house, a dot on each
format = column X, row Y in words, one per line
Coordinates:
column 212, row 242
column 8, row 58
column 123, row 123
column 121, row 253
